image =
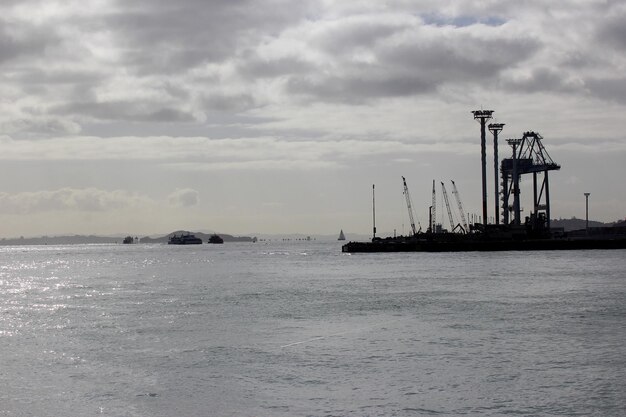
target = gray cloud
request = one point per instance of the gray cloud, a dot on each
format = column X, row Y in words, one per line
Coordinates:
column 57, row 76
column 613, row 89
column 254, row 67
column 165, row 36
column 229, row 103
column 185, row 197
column 267, row 91
column 354, row 89
column 41, row 125
column 613, row 31
column 542, row 79
column 353, row 33
column 124, row 110
column 419, row 62
column 88, row 199
column 22, row 40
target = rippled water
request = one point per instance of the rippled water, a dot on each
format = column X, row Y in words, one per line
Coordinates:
column 298, row 328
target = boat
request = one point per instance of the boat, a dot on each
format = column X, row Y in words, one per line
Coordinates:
column 184, row 239
column 215, row 239
column 128, row 239
column 341, row 235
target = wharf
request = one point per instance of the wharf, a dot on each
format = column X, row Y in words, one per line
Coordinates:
column 608, row 238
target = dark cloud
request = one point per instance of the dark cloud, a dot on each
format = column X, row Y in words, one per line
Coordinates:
column 167, row 36
column 355, row 90
column 41, row 126
column 419, row 64
column 462, row 20
column 256, row 67
column 352, row 34
column 612, row 89
column 55, row 76
column 23, row 40
column 543, row 79
column 459, row 57
column 612, row 32
column 229, row 103
column 123, row 110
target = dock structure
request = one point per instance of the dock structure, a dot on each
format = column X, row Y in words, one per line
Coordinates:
column 529, row 156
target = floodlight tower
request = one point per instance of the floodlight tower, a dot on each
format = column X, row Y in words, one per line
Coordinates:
column 495, row 129
column 587, row 211
column 482, row 116
column 516, row 206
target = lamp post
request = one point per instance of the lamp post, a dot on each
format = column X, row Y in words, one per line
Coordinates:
column 587, row 211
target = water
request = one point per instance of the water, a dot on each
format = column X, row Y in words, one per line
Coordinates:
column 300, row 329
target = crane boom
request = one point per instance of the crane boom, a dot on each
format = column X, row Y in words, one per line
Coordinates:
column 409, row 206
column 458, row 201
column 445, row 199
column 433, row 225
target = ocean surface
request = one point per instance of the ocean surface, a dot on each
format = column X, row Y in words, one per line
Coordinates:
column 300, row 329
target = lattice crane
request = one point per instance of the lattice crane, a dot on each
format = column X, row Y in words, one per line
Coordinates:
column 458, row 201
column 410, row 207
column 445, row 199
column 433, row 211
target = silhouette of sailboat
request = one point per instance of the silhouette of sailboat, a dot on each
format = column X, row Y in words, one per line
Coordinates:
column 341, row 235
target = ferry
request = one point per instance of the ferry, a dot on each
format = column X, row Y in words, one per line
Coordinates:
column 184, row 239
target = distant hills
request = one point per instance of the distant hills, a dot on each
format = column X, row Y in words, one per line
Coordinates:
column 92, row 239
column 577, row 224
column 203, row 236
column 566, row 224
column 60, row 240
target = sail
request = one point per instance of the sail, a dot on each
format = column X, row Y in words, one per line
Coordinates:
column 341, row 235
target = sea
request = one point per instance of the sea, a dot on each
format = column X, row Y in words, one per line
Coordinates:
column 298, row 328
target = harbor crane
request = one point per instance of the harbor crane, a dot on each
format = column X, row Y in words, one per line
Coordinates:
column 410, row 207
column 458, row 201
column 445, row 199
column 529, row 157
column 433, row 211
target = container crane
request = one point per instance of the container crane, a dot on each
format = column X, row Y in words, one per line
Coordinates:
column 445, row 199
column 410, row 207
column 458, row 201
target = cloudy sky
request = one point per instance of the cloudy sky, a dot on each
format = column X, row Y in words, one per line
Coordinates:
column 277, row 116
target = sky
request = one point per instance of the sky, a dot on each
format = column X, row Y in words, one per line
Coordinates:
column 277, row 116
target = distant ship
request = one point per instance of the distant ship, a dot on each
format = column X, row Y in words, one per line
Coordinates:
column 184, row 239
column 341, row 235
column 216, row 239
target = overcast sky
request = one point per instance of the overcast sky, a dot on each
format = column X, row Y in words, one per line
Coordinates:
column 277, row 116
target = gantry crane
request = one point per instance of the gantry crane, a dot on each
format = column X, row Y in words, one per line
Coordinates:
column 410, row 207
column 458, row 201
column 529, row 157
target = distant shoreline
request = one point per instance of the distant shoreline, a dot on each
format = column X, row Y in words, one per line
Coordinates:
column 566, row 224
column 93, row 239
